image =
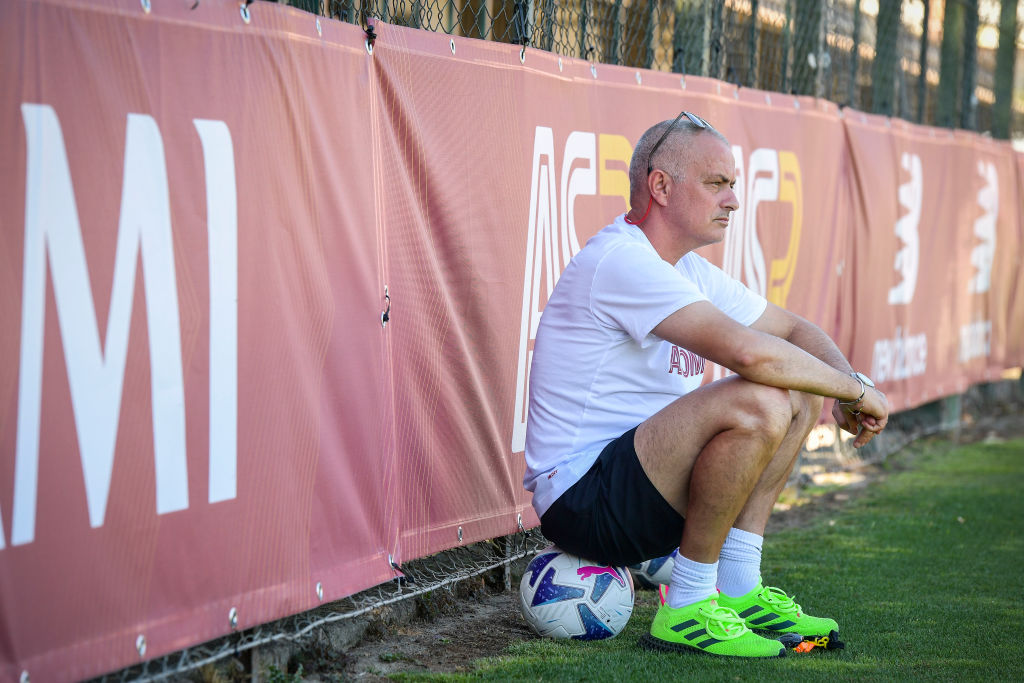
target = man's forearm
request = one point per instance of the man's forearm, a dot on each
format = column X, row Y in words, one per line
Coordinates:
column 814, row 341
column 780, row 363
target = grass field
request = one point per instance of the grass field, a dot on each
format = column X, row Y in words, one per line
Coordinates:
column 925, row 574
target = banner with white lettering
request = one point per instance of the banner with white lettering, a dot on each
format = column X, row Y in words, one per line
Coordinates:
column 271, row 291
column 935, row 258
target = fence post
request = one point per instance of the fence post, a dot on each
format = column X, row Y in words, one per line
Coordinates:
column 806, row 45
column 715, row 33
column 649, row 21
column 615, row 48
column 853, row 91
column 968, row 98
column 548, row 22
column 787, row 40
column 922, row 60
column 952, row 54
column 753, row 61
column 883, row 71
column 584, row 26
column 1005, row 54
column 689, row 39
column 521, row 29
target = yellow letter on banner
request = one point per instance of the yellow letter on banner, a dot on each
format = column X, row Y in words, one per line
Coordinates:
column 790, row 190
column 612, row 181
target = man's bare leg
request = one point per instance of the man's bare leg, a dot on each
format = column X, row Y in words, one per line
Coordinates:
column 755, row 514
column 739, row 563
column 707, row 451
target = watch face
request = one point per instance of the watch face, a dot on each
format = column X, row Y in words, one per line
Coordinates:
column 864, row 378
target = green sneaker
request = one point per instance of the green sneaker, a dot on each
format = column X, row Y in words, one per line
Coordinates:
column 771, row 609
column 706, row 627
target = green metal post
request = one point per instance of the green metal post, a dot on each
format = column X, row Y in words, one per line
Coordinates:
column 584, row 52
column 752, row 56
column 922, row 60
column 883, row 70
column 806, row 45
column 649, row 21
column 853, row 93
column 949, row 67
column 1005, row 55
column 615, row 48
column 968, row 98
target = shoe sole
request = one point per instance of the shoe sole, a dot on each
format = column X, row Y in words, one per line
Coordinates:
column 649, row 642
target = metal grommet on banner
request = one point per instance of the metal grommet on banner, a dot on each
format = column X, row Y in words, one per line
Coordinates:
column 522, row 55
column 146, row 6
column 244, row 11
column 319, row 29
column 233, row 618
column 371, row 36
column 405, row 577
column 767, row 99
column 519, row 522
column 386, row 315
column 559, row 65
column 460, row 534
column 639, row 78
column 593, row 70
column 319, row 591
column 140, row 645
column 24, row 677
column 451, row 44
column 682, row 82
column 796, row 103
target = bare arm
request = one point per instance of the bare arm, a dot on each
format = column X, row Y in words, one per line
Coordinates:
column 783, row 350
column 802, row 333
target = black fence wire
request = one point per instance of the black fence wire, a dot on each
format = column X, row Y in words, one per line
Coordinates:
column 947, row 63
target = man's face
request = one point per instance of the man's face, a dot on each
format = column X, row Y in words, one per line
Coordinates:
column 703, row 197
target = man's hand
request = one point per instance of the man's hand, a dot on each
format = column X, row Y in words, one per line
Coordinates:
column 865, row 419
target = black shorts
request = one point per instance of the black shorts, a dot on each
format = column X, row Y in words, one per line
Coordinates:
column 614, row 515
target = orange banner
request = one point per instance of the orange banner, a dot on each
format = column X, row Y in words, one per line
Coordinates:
column 271, row 293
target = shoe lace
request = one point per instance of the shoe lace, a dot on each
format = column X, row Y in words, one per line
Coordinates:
column 723, row 623
column 780, row 600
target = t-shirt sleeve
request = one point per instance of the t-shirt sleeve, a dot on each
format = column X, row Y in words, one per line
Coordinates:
column 635, row 289
column 728, row 294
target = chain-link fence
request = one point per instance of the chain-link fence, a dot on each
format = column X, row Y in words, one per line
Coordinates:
column 873, row 55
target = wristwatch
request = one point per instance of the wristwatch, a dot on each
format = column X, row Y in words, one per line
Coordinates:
column 865, row 382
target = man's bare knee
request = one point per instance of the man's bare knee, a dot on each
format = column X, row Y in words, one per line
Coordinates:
column 806, row 407
column 764, row 409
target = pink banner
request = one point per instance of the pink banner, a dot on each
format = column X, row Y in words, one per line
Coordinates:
column 203, row 411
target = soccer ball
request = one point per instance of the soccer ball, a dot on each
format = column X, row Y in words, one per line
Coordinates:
column 653, row 573
column 564, row 596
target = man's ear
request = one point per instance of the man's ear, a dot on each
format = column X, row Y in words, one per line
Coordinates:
column 660, row 185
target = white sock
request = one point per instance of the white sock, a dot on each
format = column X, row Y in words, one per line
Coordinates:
column 691, row 582
column 739, row 564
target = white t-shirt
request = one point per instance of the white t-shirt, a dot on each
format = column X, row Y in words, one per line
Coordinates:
column 597, row 370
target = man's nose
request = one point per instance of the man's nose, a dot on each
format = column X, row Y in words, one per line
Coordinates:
column 732, row 202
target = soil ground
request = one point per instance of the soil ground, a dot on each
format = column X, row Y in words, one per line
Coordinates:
column 478, row 620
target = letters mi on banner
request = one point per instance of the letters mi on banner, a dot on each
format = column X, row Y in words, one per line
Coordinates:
column 204, row 218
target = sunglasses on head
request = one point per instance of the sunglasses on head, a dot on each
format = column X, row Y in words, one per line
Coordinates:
column 697, row 121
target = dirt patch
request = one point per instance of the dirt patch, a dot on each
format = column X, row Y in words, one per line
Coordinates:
column 475, row 627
